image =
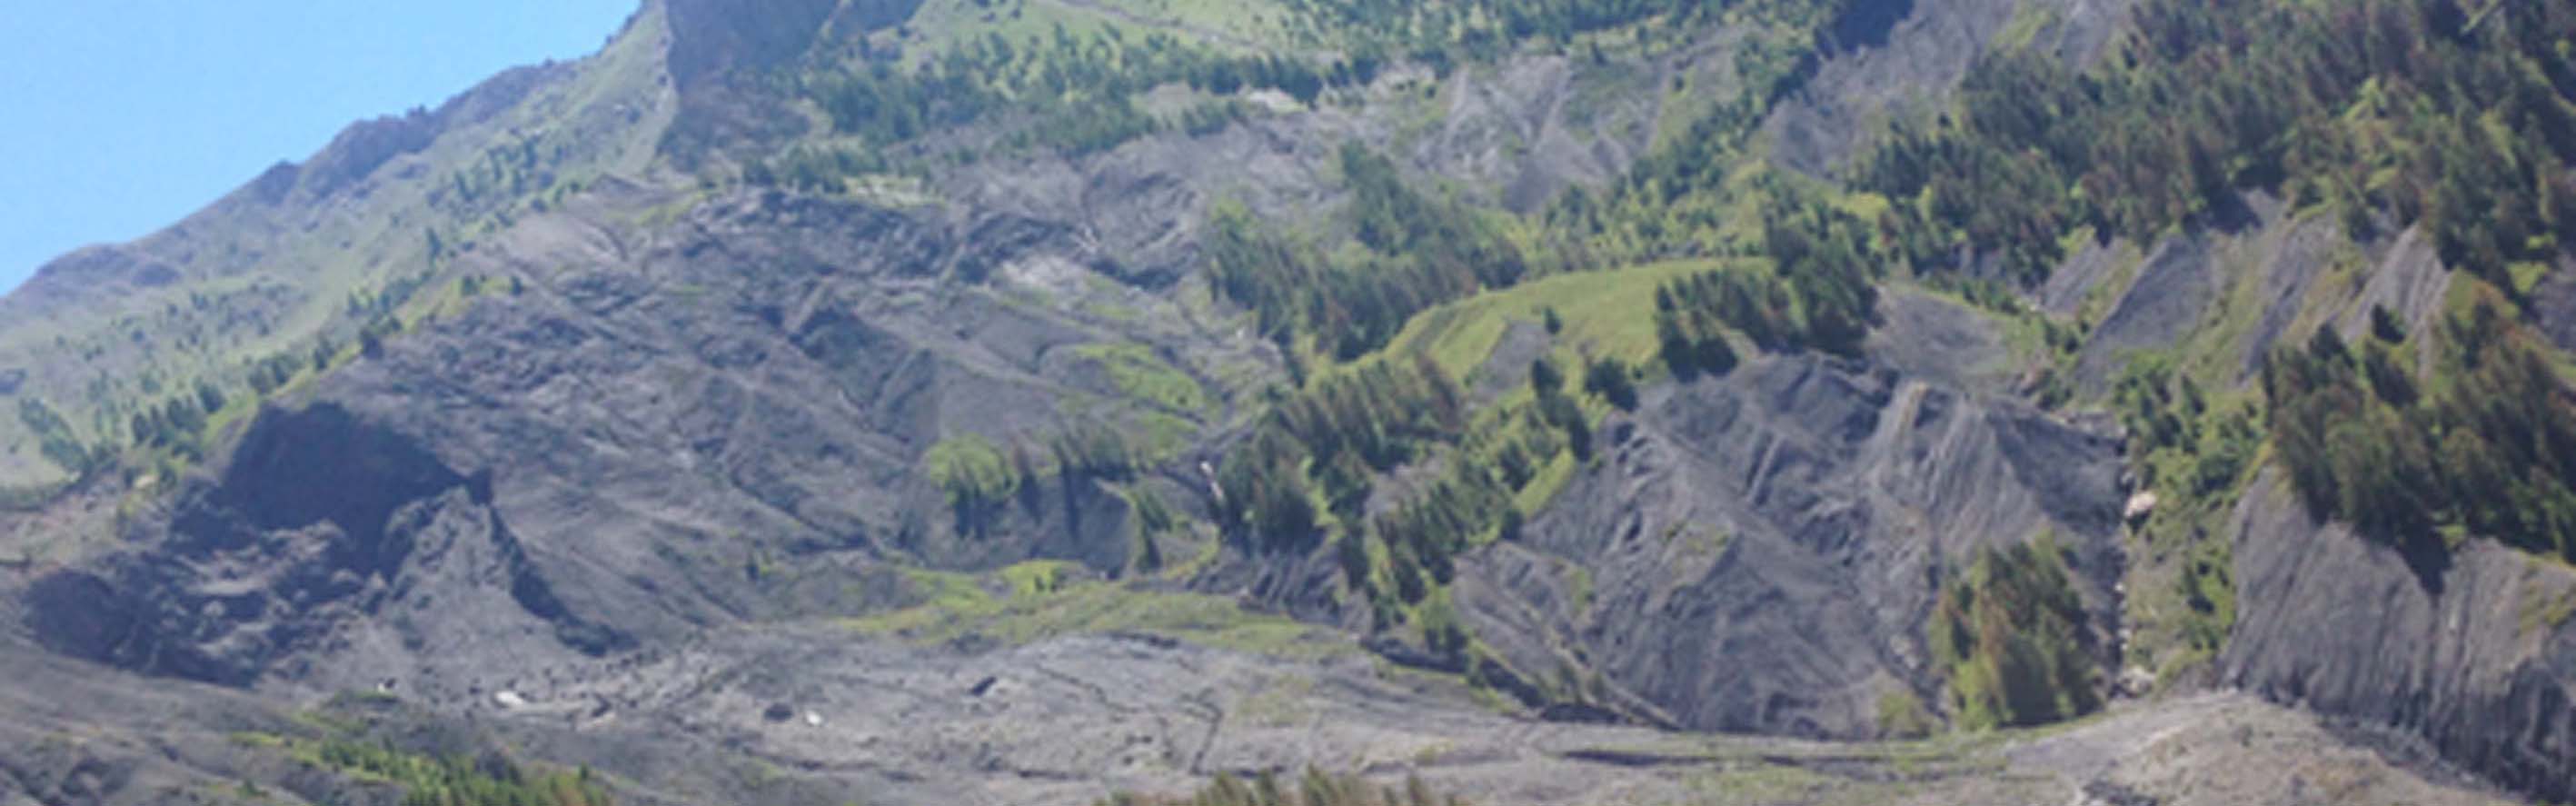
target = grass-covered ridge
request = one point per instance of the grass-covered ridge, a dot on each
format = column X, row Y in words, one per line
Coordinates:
column 1596, row 312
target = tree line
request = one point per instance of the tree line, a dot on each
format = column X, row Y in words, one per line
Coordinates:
column 1073, row 93
column 2422, row 113
column 2487, row 449
column 1444, row 34
column 2400, row 106
column 1417, row 252
column 1820, row 292
column 1332, row 440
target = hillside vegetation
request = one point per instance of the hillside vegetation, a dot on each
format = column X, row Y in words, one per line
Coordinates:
column 2383, row 114
column 1033, row 399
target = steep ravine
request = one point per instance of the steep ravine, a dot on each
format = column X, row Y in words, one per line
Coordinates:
column 2472, row 649
column 1795, row 519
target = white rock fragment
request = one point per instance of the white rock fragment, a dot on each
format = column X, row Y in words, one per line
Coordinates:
column 2140, row 506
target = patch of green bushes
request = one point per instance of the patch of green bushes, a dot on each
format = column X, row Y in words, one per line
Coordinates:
column 2010, row 639
column 56, row 440
column 977, row 477
column 457, row 780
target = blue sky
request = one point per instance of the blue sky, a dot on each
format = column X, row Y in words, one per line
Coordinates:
column 119, row 117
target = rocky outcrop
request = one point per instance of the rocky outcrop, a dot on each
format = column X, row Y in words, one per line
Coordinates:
column 331, row 552
column 2475, row 652
column 718, row 53
column 1761, row 552
column 713, row 38
column 2469, row 650
column 652, row 435
column 767, row 382
column 1889, row 57
column 620, row 494
column 90, row 271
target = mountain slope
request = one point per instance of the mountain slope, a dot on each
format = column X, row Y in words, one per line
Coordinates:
column 1021, row 402
column 290, row 269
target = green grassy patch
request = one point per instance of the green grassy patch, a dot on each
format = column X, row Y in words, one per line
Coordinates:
column 966, row 459
column 1146, row 378
column 1257, row 21
column 1037, row 605
column 2027, row 22
column 1037, row 577
column 1551, row 479
column 1903, row 715
column 940, row 25
column 2526, row 276
column 1761, row 783
column 1607, row 313
column 2545, row 610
